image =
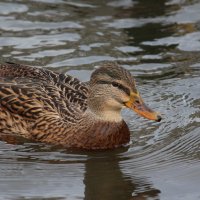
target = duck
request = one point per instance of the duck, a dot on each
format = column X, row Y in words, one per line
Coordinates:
column 55, row 108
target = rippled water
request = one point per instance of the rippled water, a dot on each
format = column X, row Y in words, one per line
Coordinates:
column 159, row 42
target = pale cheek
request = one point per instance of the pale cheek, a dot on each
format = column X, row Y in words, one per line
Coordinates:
column 110, row 103
column 121, row 96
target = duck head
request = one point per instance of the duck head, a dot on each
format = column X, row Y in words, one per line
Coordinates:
column 113, row 88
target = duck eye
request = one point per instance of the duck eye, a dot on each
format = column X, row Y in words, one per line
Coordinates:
column 121, row 87
column 114, row 84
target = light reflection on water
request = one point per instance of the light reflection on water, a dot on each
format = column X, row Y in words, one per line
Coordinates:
column 159, row 43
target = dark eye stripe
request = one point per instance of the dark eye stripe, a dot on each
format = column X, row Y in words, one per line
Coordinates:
column 121, row 87
column 115, row 84
column 103, row 82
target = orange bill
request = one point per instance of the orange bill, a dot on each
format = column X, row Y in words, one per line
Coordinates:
column 137, row 104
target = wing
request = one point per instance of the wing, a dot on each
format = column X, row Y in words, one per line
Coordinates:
column 31, row 98
column 28, row 90
column 70, row 87
column 42, row 74
column 22, row 99
column 34, row 101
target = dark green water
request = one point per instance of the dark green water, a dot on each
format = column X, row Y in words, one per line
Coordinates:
column 159, row 42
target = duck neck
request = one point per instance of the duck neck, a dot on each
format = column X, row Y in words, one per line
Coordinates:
column 104, row 115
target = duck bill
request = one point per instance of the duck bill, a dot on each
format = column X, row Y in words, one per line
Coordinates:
column 137, row 104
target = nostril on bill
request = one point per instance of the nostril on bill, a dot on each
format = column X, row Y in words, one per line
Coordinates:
column 159, row 118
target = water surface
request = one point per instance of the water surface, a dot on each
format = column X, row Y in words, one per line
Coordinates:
column 159, row 42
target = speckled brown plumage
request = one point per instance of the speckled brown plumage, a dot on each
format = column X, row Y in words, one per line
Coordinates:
column 45, row 106
column 41, row 105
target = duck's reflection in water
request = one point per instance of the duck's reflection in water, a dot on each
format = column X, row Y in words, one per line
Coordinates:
column 104, row 179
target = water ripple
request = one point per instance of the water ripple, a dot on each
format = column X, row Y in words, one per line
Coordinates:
column 8, row 8
column 21, row 25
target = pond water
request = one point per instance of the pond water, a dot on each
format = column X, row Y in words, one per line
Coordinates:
column 159, row 42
